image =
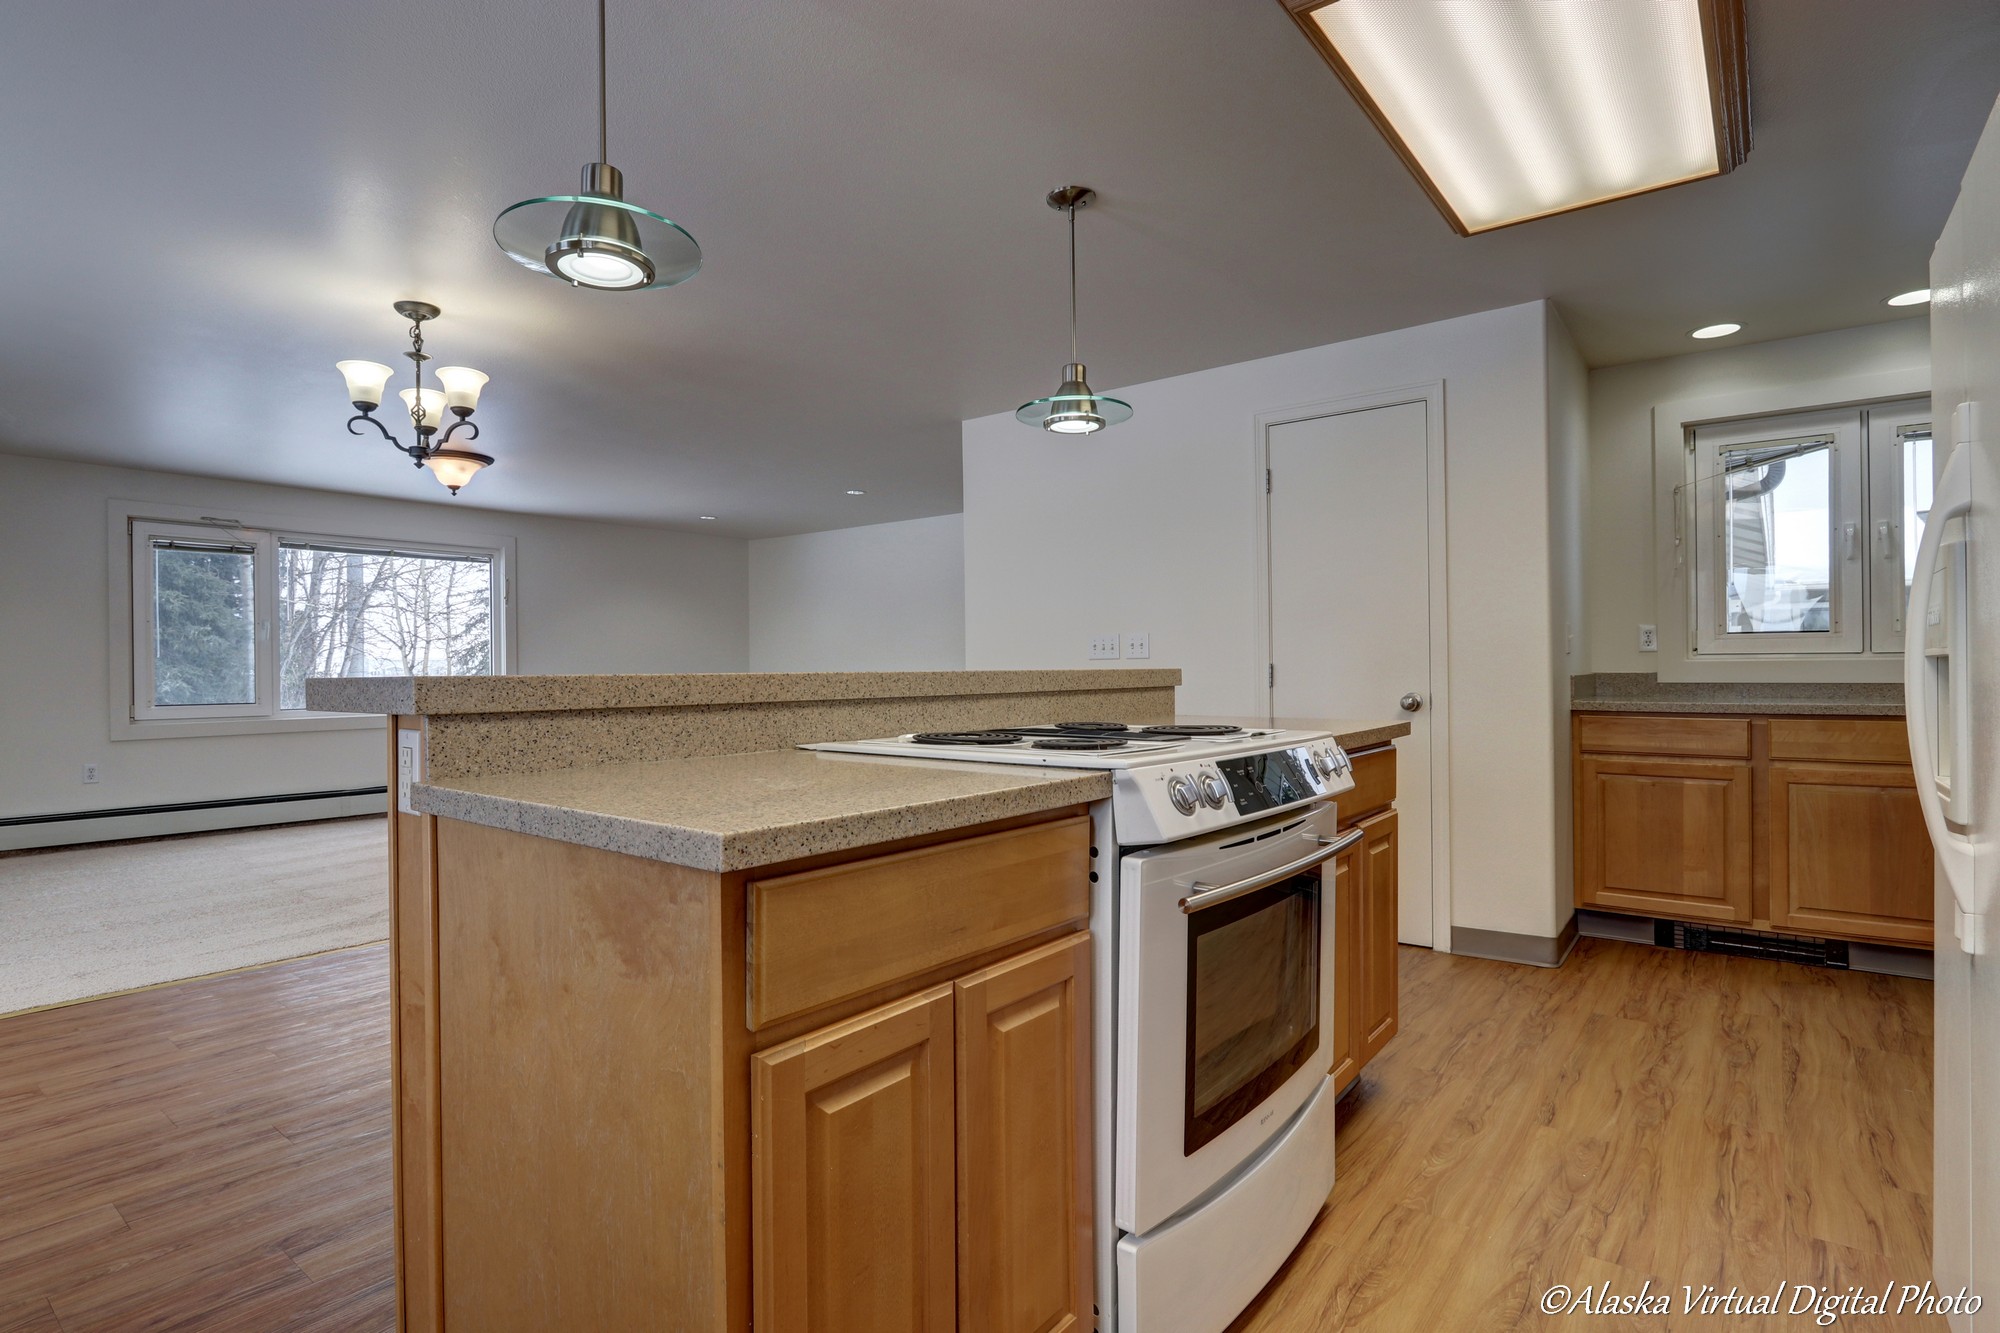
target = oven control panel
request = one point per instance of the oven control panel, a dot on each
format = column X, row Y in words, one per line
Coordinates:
column 1164, row 802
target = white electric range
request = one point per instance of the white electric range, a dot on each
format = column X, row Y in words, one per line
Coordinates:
column 1213, row 1017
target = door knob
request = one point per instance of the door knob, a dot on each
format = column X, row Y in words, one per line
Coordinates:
column 1412, row 702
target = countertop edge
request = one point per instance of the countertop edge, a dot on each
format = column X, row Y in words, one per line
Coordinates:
column 1774, row 708
column 437, row 695
column 706, row 849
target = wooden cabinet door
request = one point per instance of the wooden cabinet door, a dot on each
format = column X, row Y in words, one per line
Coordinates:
column 1849, row 854
column 1024, row 1144
column 1348, row 951
column 1664, row 837
column 1378, row 935
column 852, row 1175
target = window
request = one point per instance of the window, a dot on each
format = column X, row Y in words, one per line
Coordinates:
column 1803, row 538
column 230, row 622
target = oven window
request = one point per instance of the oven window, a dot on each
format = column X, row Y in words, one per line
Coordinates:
column 1253, row 1001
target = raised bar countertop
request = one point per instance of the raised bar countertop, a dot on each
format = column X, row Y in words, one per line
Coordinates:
column 1643, row 692
column 436, row 695
column 735, row 811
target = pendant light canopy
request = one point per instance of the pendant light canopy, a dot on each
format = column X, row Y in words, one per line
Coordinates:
column 593, row 238
column 1073, row 409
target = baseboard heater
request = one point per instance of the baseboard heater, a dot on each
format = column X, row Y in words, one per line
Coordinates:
column 18, row 832
column 1747, row 944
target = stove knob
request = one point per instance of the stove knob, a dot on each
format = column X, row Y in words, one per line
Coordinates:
column 1182, row 792
column 1324, row 763
column 1213, row 793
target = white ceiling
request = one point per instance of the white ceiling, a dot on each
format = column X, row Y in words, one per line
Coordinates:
column 208, row 203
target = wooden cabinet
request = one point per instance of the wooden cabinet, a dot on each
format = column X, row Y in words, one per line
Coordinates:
column 1849, row 853
column 1024, row 1144
column 925, row 1167
column 1364, row 885
column 853, row 1150
column 1378, row 885
column 1807, row 825
column 1664, row 837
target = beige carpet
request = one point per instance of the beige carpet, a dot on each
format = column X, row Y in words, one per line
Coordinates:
column 83, row 921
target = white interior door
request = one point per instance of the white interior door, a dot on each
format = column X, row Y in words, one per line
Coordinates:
column 1350, row 588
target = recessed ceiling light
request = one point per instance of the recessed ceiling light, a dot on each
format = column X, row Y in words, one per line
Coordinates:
column 1921, row 296
column 706, row 518
column 1715, row 331
column 1507, row 111
column 857, row 492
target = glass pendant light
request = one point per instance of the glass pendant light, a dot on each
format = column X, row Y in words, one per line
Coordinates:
column 1073, row 409
column 594, row 238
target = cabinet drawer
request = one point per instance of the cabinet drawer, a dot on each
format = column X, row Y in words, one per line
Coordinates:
column 1374, row 785
column 824, row 935
column 1663, row 733
column 1841, row 739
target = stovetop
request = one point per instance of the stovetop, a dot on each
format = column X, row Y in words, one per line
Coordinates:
column 1109, row 745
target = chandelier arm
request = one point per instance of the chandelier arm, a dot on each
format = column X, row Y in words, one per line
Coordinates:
column 369, row 417
column 469, row 425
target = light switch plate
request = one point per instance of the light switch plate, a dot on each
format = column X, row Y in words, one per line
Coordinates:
column 1103, row 646
column 1649, row 639
column 1138, row 645
column 409, row 765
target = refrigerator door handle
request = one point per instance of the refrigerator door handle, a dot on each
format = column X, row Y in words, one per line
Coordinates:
column 1922, row 708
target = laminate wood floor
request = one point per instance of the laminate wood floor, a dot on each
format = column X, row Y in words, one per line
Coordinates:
column 209, row 1155
column 1637, row 1114
column 214, row 1155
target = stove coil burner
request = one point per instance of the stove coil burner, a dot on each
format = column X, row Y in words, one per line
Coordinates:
column 1192, row 729
column 1093, row 728
column 965, row 738
column 1080, row 743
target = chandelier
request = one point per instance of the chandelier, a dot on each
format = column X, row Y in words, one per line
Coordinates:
column 458, row 394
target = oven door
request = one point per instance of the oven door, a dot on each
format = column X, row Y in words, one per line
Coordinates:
column 1225, row 1004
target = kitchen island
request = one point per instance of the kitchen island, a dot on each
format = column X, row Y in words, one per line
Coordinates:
column 693, row 1027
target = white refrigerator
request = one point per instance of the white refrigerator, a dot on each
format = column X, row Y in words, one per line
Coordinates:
column 1952, row 674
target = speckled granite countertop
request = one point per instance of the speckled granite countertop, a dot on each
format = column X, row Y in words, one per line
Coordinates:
column 434, row 695
column 736, row 811
column 1640, row 692
column 1351, row 733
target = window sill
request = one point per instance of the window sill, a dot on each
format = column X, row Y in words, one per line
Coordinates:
column 126, row 729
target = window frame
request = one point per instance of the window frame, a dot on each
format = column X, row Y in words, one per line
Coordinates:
column 1671, row 421
column 263, row 615
column 1847, row 603
column 1889, row 427
column 129, row 651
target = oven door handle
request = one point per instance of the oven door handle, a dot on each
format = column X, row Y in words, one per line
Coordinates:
column 1209, row 895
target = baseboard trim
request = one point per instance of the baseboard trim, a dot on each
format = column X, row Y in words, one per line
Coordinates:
column 23, row 832
column 1504, row 946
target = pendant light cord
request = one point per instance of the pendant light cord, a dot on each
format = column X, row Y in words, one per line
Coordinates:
column 602, row 154
column 1071, row 210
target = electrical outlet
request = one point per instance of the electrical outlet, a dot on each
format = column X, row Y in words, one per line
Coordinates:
column 1103, row 646
column 90, row 773
column 1138, row 645
column 1649, row 639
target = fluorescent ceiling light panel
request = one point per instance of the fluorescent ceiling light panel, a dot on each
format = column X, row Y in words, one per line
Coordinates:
column 1509, row 110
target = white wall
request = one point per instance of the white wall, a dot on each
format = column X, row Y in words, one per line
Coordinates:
column 588, row 597
column 1151, row 526
column 888, row 597
column 1620, row 547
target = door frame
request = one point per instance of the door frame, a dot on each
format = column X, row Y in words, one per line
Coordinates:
column 1431, row 396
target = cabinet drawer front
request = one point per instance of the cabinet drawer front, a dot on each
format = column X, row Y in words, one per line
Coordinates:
column 1841, row 739
column 1374, row 785
column 1664, row 733
column 824, row 935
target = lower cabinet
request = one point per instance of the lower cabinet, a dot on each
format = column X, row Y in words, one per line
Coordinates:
column 1364, row 944
column 925, row 1166
column 1849, row 852
column 1808, row 825
column 1664, row 837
